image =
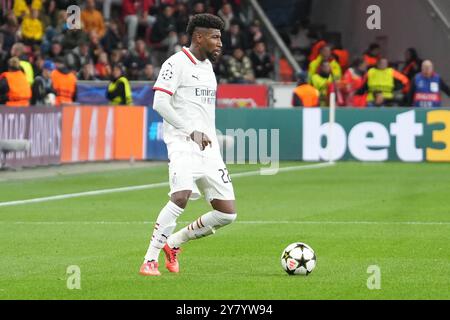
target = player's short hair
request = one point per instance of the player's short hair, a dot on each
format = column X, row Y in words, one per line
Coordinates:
column 204, row 20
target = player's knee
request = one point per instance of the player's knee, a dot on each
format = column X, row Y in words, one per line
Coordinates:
column 180, row 198
column 225, row 218
column 225, row 206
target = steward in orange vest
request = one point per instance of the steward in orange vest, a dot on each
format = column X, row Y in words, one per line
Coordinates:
column 305, row 95
column 64, row 84
column 15, row 91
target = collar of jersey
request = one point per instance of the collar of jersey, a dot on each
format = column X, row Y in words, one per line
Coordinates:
column 191, row 57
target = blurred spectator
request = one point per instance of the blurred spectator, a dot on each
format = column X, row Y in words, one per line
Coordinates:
column 60, row 28
column 102, row 67
column 9, row 31
column 261, row 61
column 352, row 81
column 116, row 56
column 42, row 89
column 426, row 87
column 21, row 7
column 138, row 57
column 135, row 12
column 240, row 68
column 107, row 4
column 234, row 38
column 198, row 7
column 95, row 46
column 305, row 95
column 32, row 29
column 133, row 71
column 181, row 17
column 148, row 74
column 72, row 38
column 164, row 36
column 56, row 32
column 92, row 19
column 385, row 79
column 87, row 72
column 64, row 83
column 3, row 54
column 325, row 55
column 412, row 63
column 112, row 39
column 49, row 14
column 372, row 55
column 79, row 56
column 220, row 68
column 18, row 50
column 119, row 90
column 56, row 50
column 15, row 91
column 322, row 81
column 226, row 14
column 255, row 35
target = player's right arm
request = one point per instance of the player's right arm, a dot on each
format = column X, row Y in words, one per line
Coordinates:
column 167, row 83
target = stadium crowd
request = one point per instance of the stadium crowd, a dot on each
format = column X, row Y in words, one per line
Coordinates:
column 132, row 36
column 127, row 40
column 369, row 81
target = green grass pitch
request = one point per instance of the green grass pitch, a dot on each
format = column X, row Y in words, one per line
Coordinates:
column 392, row 215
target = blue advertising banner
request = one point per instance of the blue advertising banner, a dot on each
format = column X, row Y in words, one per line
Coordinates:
column 95, row 94
column 156, row 148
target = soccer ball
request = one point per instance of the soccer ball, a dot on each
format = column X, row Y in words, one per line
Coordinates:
column 298, row 258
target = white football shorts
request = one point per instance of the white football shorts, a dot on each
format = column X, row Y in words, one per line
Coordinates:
column 190, row 170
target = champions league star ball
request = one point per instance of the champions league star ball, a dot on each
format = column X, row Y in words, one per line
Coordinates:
column 298, row 258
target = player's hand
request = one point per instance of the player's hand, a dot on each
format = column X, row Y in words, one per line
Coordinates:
column 201, row 139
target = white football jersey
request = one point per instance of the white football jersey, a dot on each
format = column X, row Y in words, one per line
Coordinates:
column 192, row 85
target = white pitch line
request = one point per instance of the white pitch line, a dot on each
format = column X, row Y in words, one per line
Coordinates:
column 154, row 185
column 419, row 223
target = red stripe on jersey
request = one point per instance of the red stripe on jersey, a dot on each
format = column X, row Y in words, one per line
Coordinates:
column 189, row 56
column 163, row 90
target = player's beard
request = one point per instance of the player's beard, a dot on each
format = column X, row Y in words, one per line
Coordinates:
column 212, row 57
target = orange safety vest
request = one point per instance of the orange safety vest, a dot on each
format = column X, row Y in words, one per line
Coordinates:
column 64, row 86
column 343, row 58
column 371, row 61
column 19, row 93
column 308, row 95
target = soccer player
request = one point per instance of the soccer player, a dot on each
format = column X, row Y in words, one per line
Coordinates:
column 185, row 96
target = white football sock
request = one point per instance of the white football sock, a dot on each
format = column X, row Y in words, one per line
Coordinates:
column 165, row 224
column 205, row 225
